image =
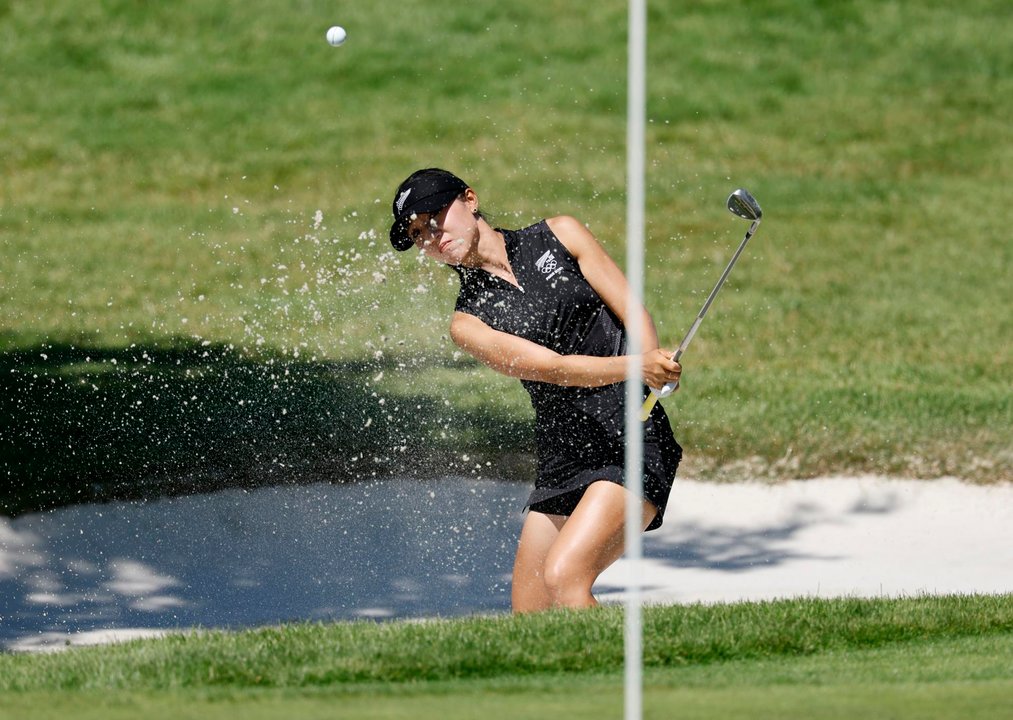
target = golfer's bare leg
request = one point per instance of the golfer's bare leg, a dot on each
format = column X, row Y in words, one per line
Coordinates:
column 528, row 591
column 590, row 540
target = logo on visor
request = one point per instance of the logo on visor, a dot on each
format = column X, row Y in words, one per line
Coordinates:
column 401, row 200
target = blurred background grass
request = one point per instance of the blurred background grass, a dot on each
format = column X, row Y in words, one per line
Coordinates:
column 195, row 192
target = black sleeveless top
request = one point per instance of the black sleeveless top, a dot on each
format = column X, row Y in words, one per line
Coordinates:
column 578, row 430
column 555, row 307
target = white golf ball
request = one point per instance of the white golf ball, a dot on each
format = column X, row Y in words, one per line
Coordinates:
column 336, row 35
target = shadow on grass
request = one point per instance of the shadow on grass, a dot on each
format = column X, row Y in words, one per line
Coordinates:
column 86, row 424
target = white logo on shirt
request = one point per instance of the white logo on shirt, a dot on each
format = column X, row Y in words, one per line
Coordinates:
column 548, row 266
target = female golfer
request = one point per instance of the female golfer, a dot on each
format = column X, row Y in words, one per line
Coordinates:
column 547, row 305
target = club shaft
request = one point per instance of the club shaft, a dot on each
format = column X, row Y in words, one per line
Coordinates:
column 653, row 397
column 710, row 298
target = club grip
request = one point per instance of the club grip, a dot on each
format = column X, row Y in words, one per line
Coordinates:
column 653, row 397
column 667, row 390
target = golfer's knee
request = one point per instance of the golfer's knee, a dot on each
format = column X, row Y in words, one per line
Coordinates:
column 568, row 585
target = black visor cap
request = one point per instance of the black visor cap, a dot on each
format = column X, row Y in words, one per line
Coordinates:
column 425, row 191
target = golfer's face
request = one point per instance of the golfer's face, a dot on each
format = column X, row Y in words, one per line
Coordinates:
column 442, row 235
column 425, row 229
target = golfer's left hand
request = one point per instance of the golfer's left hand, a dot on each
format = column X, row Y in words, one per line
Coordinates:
column 659, row 368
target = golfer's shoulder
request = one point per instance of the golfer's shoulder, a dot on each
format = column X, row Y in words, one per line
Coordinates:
column 574, row 234
column 566, row 224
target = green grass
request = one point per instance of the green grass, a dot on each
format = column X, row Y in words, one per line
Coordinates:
column 174, row 311
column 161, row 170
column 922, row 657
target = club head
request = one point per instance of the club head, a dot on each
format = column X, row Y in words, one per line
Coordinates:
column 744, row 205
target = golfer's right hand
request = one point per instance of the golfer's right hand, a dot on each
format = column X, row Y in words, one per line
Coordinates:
column 659, row 368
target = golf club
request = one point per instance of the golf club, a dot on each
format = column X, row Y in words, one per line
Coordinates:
column 744, row 205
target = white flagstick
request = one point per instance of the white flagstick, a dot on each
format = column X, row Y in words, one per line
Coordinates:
column 635, row 134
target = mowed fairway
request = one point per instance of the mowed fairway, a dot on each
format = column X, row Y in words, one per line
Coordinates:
column 920, row 658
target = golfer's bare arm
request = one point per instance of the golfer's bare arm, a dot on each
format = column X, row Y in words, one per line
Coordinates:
column 603, row 275
column 520, row 358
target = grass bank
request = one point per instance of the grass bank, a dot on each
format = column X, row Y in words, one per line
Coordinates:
column 919, row 657
column 203, row 172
